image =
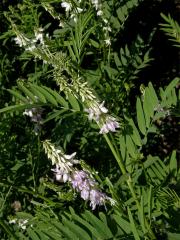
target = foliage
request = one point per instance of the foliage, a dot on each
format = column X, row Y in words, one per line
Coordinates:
column 171, row 28
column 70, row 67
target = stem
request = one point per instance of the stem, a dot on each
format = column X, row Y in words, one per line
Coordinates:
column 117, row 157
column 129, row 181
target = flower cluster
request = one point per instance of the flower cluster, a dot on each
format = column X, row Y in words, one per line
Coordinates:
column 161, row 109
column 110, row 125
column 81, row 180
column 95, row 111
column 35, row 115
column 20, row 222
column 98, row 113
column 97, row 6
column 30, row 44
column 74, row 10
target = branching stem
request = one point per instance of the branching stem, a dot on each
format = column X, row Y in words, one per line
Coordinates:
column 119, row 160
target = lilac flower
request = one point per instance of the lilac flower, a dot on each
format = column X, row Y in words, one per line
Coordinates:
column 109, row 126
column 96, row 111
column 82, row 180
column 97, row 198
column 86, row 185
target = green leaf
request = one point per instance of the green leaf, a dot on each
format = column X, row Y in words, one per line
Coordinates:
column 83, row 222
column 18, row 95
column 157, row 172
column 122, row 146
column 135, row 134
column 117, row 60
column 130, row 147
column 27, row 92
column 37, row 93
column 140, row 117
column 141, row 215
column 94, row 43
column 58, row 97
column 173, row 164
column 173, row 236
column 54, row 115
column 150, row 197
column 133, row 226
column 102, row 229
column 71, row 53
column 148, row 107
column 32, row 234
column 65, row 230
column 125, row 225
column 15, row 108
column 170, row 87
column 77, row 230
column 46, row 93
column 73, row 101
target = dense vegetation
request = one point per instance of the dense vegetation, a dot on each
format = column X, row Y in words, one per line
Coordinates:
column 89, row 106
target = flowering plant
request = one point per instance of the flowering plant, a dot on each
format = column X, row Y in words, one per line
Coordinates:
column 77, row 81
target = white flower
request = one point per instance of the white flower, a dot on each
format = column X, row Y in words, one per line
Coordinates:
column 13, row 221
column 102, row 108
column 95, row 3
column 21, row 40
column 30, row 48
column 70, row 157
column 79, row 10
column 67, row 6
column 99, row 13
column 105, row 20
column 22, row 223
column 61, row 174
column 96, row 111
column 108, row 42
column 107, row 29
column 39, row 37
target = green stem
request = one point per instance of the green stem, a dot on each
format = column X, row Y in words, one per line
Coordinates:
column 118, row 159
column 129, row 181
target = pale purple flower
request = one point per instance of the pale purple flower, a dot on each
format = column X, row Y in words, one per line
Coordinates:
column 85, row 194
column 97, row 198
column 96, row 111
column 81, row 180
column 88, row 188
column 109, row 126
